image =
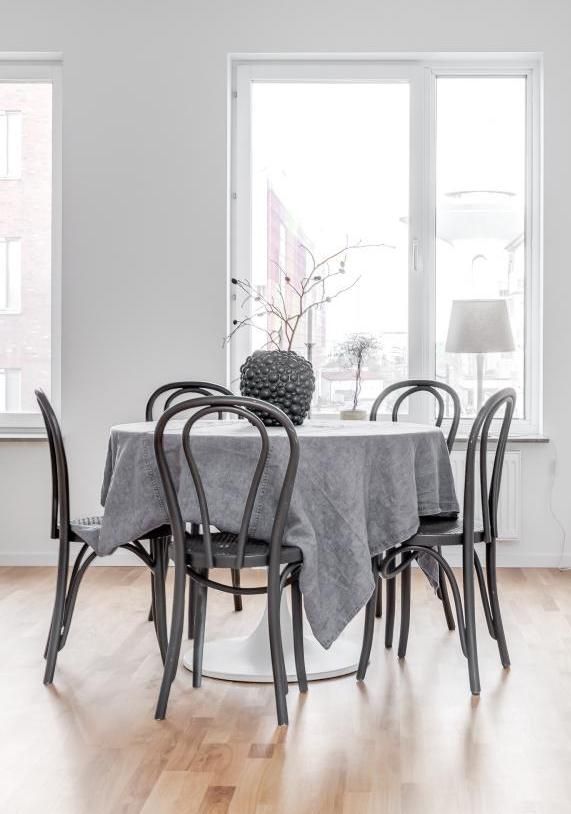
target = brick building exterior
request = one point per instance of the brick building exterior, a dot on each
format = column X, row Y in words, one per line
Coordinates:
column 285, row 251
column 25, row 243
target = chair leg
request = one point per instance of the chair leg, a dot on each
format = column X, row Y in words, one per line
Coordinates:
column 78, row 572
column 297, row 619
column 201, row 593
column 58, row 611
column 49, row 637
column 151, row 614
column 390, row 620
column 80, row 566
column 276, row 647
column 153, row 555
column 482, row 584
column 194, row 529
column 236, row 584
column 74, row 570
column 368, row 632
column 495, row 603
column 175, row 639
column 379, row 598
column 191, row 603
column 443, row 595
column 470, row 617
column 159, row 603
column 405, row 590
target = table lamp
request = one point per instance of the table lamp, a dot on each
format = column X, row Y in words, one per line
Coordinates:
column 479, row 326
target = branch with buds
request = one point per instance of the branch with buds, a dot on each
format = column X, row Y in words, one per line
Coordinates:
column 293, row 300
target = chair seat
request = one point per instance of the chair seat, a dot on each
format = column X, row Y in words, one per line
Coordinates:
column 444, row 531
column 224, row 546
column 87, row 529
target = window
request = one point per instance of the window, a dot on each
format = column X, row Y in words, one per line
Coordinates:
column 29, row 238
column 10, row 275
column 480, row 220
column 10, row 390
column 10, row 143
column 430, row 170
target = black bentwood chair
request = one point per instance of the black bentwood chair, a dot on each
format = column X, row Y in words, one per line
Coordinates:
column 172, row 392
column 80, row 531
column 196, row 553
column 439, row 390
column 436, row 532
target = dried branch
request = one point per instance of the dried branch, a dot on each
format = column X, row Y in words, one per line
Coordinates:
column 314, row 291
column 285, row 275
column 274, row 336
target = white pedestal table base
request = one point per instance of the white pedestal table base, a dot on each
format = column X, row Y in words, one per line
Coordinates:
column 247, row 658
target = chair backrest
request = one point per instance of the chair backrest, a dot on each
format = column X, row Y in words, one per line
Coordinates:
column 478, row 447
column 180, row 389
column 436, row 389
column 60, row 481
column 243, row 408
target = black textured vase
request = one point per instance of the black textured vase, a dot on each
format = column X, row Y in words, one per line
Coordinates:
column 281, row 377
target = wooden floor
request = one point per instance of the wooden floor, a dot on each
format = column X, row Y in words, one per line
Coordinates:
column 411, row 740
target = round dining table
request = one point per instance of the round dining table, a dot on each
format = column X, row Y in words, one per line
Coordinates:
column 361, row 487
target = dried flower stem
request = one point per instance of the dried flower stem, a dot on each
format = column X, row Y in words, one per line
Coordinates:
column 289, row 317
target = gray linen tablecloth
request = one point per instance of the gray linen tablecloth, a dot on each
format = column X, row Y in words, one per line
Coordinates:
column 360, row 488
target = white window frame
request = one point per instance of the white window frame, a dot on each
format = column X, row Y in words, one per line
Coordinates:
column 43, row 68
column 421, row 71
column 13, row 277
column 4, row 378
column 12, row 173
column 529, row 66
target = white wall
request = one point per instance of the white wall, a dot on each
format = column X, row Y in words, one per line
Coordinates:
column 144, row 186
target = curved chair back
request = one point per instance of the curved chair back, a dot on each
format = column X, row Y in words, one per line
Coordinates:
column 243, row 408
column 180, row 389
column 436, row 389
column 478, row 446
column 60, row 481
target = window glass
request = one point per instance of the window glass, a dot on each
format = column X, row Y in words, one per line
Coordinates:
column 25, row 242
column 480, row 223
column 330, row 168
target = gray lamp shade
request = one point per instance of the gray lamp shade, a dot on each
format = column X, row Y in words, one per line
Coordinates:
column 479, row 326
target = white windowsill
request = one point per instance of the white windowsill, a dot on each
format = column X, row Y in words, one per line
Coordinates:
column 23, row 435
column 462, row 437
column 530, row 438
column 40, row 435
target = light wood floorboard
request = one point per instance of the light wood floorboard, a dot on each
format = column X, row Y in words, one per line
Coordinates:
column 410, row 740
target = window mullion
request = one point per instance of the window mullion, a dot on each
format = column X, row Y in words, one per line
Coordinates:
column 428, row 131
column 421, row 241
column 240, row 214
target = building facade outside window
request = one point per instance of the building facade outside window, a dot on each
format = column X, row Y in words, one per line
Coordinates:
column 10, row 390
column 10, row 143
column 29, row 243
column 10, row 275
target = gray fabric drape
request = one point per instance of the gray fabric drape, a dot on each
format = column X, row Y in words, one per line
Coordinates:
column 361, row 487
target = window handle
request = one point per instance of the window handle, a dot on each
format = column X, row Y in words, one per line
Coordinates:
column 414, row 257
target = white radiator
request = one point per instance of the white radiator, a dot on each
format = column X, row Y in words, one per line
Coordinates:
column 509, row 507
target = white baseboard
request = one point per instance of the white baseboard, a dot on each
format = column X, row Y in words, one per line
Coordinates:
column 510, row 555
column 532, row 560
column 37, row 558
